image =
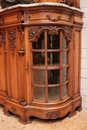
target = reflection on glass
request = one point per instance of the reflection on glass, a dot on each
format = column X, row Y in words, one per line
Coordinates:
column 38, row 77
column 64, row 90
column 53, row 41
column 64, row 57
column 53, row 58
column 39, row 44
column 53, row 76
column 64, row 74
column 38, row 58
column 39, row 93
column 64, row 43
column 53, row 93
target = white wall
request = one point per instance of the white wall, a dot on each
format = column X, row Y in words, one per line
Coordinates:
column 83, row 5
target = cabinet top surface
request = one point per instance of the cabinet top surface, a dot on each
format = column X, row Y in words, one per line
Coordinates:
column 40, row 4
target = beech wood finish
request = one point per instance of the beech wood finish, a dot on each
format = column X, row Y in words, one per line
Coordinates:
column 34, row 43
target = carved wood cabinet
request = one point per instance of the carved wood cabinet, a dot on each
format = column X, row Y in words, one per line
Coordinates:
column 40, row 60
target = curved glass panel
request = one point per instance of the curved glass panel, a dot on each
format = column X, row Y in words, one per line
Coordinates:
column 53, row 41
column 53, row 93
column 38, row 58
column 53, row 58
column 39, row 77
column 39, row 44
column 53, row 77
column 39, row 93
column 64, row 90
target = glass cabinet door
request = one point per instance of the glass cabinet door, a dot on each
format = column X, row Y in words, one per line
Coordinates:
column 50, row 67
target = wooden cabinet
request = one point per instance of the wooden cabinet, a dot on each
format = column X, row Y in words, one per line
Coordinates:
column 40, row 60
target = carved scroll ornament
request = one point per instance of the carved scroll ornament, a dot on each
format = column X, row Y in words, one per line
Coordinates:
column 34, row 32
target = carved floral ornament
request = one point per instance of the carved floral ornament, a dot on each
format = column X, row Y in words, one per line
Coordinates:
column 53, row 115
column 2, row 38
column 34, row 32
column 12, row 39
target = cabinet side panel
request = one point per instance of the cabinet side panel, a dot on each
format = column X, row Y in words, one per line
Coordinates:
column 77, row 60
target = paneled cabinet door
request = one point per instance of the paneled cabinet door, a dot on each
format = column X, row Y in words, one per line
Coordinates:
column 3, row 74
column 16, row 65
column 12, row 64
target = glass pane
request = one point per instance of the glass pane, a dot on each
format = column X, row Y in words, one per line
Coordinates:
column 39, row 93
column 64, row 43
column 53, row 58
column 64, row 57
column 53, row 41
column 64, row 90
column 53, row 76
column 64, row 74
column 38, row 58
column 54, row 93
column 38, row 77
column 39, row 44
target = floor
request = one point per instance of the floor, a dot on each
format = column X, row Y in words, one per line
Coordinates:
column 77, row 122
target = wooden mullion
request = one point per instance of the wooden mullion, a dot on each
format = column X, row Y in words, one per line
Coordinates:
column 46, row 65
column 61, row 35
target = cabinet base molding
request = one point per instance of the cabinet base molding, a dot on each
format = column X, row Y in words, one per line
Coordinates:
column 25, row 112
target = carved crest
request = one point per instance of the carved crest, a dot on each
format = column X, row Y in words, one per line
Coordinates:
column 34, row 32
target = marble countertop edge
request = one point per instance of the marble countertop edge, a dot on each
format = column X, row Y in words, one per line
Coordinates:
column 41, row 4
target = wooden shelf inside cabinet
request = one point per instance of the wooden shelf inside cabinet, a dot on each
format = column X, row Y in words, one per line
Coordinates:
column 41, row 67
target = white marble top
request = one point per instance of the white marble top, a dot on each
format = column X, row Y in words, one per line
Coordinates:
column 41, row 4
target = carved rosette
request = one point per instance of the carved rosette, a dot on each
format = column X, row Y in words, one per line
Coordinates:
column 53, row 115
column 2, row 38
column 12, row 39
column 34, row 32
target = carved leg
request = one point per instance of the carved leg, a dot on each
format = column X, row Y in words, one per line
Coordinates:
column 79, row 108
column 6, row 112
column 73, row 113
column 25, row 121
